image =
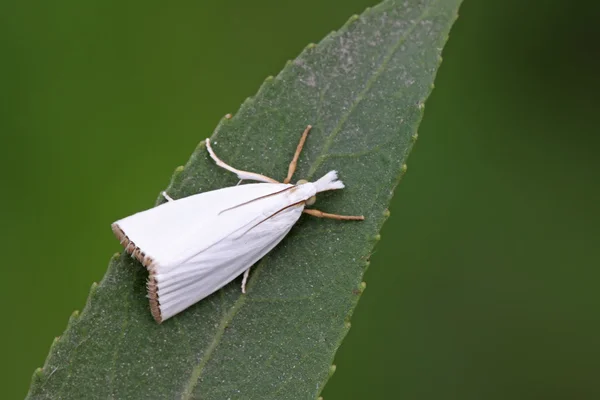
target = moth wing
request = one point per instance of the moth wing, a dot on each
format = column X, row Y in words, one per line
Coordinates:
column 172, row 232
column 179, row 287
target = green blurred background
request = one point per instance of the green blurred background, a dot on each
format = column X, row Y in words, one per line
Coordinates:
column 485, row 283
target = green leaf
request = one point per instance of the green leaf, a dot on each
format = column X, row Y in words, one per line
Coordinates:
column 363, row 89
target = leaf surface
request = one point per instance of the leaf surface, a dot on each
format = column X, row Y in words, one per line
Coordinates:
column 363, row 89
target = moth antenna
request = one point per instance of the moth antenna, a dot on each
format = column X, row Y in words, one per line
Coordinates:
column 274, row 214
column 258, row 198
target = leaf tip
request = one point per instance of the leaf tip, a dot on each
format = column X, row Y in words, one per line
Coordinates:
column 352, row 19
column 37, row 376
column 310, row 46
column 246, row 101
column 269, row 78
column 415, row 137
column 228, row 116
column 421, row 106
column 116, row 256
column 74, row 316
column 93, row 288
column 377, row 238
column 347, row 324
column 404, row 168
column 386, row 213
column 332, row 369
column 363, row 286
column 201, row 145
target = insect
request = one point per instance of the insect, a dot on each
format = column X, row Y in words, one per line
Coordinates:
column 195, row 245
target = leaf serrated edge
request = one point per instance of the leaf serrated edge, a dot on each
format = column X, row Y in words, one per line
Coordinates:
column 403, row 170
column 41, row 372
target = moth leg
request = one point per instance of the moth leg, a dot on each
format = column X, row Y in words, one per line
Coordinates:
column 245, row 280
column 166, row 196
column 321, row 214
column 294, row 163
column 243, row 175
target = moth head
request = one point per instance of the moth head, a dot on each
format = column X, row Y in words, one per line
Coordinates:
column 312, row 199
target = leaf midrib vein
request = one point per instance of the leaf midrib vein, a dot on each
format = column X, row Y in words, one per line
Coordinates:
column 197, row 371
column 370, row 82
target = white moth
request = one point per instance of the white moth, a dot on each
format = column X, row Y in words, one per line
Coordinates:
column 195, row 245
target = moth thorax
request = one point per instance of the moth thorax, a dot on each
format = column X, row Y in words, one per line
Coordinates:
column 312, row 199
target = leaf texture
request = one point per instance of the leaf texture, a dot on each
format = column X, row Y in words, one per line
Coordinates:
column 363, row 89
